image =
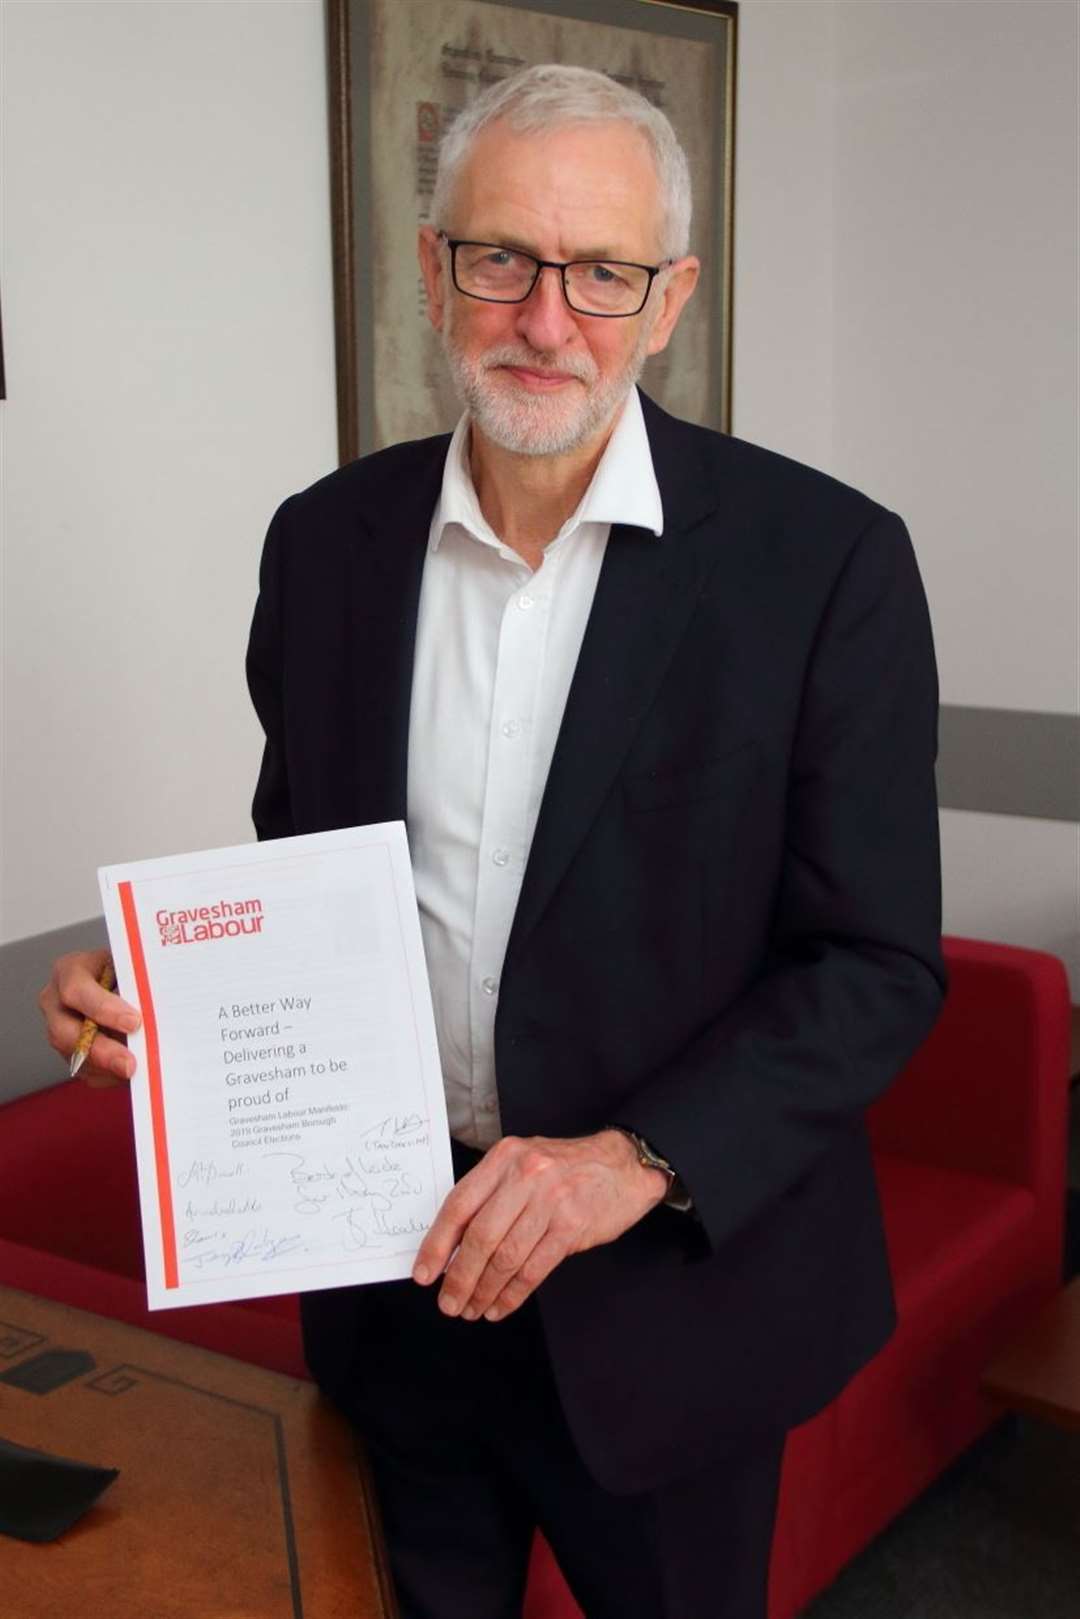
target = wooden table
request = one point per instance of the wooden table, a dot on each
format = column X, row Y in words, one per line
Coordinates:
column 240, row 1495
column 1039, row 1372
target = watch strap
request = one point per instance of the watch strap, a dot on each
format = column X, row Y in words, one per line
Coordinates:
column 676, row 1196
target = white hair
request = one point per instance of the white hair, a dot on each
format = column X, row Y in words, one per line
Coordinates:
column 553, row 96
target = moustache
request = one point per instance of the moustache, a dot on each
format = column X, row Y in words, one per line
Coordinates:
column 578, row 366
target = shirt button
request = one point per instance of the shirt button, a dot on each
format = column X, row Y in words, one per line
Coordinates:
column 489, row 985
column 525, row 601
column 500, row 857
column 487, row 1105
column 511, row 728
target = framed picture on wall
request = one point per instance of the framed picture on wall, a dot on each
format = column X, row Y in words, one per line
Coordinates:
column 400, row 71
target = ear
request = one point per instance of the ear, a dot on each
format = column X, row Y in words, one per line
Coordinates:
column 680, row 281
column 432, row 268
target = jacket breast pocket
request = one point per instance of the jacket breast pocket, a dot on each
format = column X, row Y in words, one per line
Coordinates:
column 653, row 790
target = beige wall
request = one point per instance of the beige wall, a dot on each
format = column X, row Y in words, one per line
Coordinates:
column 955, row 382
column 905, row 317
column 169, row 346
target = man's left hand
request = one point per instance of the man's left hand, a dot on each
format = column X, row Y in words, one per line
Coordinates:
column 526, row 1206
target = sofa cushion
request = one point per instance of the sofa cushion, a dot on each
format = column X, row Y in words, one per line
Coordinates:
column 67, row 1176
column 960, row 1247
column 69, row 1194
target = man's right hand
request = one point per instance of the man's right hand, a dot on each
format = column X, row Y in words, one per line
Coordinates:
column 72, row 994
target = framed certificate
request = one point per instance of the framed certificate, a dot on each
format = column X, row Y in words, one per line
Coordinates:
column 400, row 70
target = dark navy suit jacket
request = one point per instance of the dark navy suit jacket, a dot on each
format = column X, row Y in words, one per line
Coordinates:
column 728, row 933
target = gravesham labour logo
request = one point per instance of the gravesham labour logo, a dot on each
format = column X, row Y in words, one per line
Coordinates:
column 226, row 919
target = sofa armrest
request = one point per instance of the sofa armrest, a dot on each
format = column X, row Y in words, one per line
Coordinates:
column 987, row 1091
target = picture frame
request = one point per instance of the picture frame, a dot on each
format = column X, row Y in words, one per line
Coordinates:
column 398, row 70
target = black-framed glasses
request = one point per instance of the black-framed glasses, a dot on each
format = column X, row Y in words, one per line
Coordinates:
column 609, row 288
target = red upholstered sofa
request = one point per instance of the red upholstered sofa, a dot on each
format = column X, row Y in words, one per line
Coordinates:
column 970, row 1152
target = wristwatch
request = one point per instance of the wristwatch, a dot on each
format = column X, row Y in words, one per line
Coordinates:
column 676, row 1196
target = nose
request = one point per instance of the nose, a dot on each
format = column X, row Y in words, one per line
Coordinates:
column 545, row 320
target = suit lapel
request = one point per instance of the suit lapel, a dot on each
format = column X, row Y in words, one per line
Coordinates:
column 647, row 590
column 387, row 570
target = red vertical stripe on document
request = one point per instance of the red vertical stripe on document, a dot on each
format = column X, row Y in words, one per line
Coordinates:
column 157, row 1101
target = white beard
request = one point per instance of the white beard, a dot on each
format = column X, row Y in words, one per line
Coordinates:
column 535, row 423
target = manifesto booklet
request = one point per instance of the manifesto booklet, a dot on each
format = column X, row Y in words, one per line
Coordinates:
column 290, row 1124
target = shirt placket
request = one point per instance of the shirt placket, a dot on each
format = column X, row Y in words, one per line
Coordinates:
column 504, row 840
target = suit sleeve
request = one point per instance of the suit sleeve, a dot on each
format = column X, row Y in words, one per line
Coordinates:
column 853, row 978
column 271, row 809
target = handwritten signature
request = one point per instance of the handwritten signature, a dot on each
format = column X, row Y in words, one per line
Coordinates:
column 205, row 1170
column 348, row 1181
column 252, row 1245
column 218, row 1210
column 370, row 1222
column 395, row 1126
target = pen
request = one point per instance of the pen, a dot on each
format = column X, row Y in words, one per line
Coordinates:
column 107, row 980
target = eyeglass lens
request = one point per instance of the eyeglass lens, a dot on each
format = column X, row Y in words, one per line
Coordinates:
column 503, row 276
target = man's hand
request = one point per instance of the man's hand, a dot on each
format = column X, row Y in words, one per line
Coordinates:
column 523, row 1209
column 72, row 993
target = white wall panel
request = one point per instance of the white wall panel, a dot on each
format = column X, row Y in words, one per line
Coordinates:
column 1015, row 880
column 783, row 328
column 168, row 337
column 956, row 342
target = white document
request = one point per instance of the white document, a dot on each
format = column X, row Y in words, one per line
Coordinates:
column 290, row 1124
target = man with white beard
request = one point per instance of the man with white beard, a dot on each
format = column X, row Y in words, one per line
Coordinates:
column 659, row 710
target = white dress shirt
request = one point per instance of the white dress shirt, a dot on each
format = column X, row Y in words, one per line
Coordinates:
column 496, row 649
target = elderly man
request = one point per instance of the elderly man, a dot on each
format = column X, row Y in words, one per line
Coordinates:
column 659, row 710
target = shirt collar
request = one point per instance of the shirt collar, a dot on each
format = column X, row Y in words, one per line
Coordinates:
column 623, row 488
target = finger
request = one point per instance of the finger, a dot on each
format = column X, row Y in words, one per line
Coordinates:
column 506, row 1261
column 108, row 1061
column 76, row 979
column 481, row 1238
column 550, row 1251
column 443, row 1236
column 449, row 1226
column 80, row 968
column 107, row 1056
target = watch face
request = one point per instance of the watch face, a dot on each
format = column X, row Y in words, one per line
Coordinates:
column 654, row 1160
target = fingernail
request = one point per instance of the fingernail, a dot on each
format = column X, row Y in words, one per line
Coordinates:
column 470, row 1314
column 421, row 1274
column 129, row 1021
column 448, row 1304
column 493, row 1314
column 124, row 1066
